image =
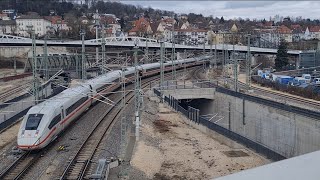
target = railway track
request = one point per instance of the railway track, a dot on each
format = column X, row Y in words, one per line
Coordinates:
column 286, row 97
column 81, row 161
column 17, row 169
column 78, row 167
column 15, row 90
column 277, row 95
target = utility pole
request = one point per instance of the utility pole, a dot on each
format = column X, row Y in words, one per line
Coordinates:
column 103, row 48
column 137, row 89
column 204, row 53
column 96, row 17
column 161, row 64
column 45, row 52
column 215, row 52
column 83, row 64
column 173, row 54
column 224, row 56
column 34, row 64
column 146, row 51
column 235, row 63
column 185, row 67
column 211, row 63
column 123, row 87
column 248, row 63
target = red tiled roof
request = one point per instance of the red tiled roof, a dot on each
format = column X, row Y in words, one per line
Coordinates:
column 140, row 24
column 314, row 29
column 55, row 19
column 268, row 23
column 109, row 20
column 284, row 30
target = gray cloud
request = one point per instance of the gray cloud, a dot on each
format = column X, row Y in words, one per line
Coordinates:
column 234, row 9
column 248, row 4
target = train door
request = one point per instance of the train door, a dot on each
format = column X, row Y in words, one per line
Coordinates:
column 91, row 94
column 63, row 116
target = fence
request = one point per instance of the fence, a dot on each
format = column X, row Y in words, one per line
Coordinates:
column 311, row 91
column 193, row 115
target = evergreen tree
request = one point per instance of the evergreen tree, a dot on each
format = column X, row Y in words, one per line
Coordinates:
column 221, row 20
column 282, row 59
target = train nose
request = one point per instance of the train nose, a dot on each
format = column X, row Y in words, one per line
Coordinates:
column 28, row 140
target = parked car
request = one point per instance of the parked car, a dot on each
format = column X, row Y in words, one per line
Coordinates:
column 298, row 81
column 316, row 81
column 307, row 77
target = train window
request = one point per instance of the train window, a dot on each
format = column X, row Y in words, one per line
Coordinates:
column 76, row 104
column 154, row 69
column 33, row 121
column 54, row 121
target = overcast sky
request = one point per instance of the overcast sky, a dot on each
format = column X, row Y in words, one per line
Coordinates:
column 232, row 9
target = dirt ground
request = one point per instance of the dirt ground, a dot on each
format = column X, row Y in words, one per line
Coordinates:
column 5, row 86
column 170, row 149
column 9, row 72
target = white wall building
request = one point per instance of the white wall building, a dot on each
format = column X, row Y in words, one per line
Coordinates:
column 191, row 36
column 40, row 25
column 7, row 27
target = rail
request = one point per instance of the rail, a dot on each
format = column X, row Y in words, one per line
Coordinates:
column 78, row 165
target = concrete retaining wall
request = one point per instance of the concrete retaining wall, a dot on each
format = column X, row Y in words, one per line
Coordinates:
column 205, row 93
column 287, row 133
column 24, row 52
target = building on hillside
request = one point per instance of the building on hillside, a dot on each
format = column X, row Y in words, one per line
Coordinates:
column 297, row 35
column 285, row 33
column 8, row 27
column 228, row 36
column 314, row 32
column 113, row 27
column 270, row 36
column 10, row 13
column 307, row 35
column 57, row 23
column 183, row 17
column 141, row 27
column 234, row 28
column 191, row 36
column 39, row 24
column 4, row 17
column 185, row 25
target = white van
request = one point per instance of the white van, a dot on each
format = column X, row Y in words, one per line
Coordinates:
column 307, row 77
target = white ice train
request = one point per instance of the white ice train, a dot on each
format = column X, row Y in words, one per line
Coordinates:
column 46, row 120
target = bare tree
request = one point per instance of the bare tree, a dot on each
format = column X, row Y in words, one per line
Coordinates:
column 265, row 61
